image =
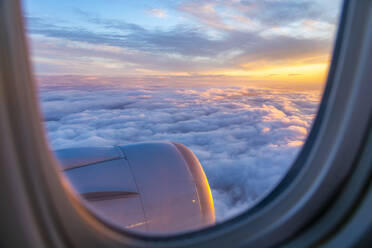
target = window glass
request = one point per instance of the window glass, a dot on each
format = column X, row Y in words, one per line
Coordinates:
column 130, row 91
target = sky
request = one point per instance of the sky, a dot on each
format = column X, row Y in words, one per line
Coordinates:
column 258, row 42
column 236, row 81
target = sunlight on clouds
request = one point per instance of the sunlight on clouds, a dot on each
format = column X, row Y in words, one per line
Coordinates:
column 236, row 81
column 264, row 40
column 159, row 13
column 301, row 74
column 296, row 143
column 245, row 138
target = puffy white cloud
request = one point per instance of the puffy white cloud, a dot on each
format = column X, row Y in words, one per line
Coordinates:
column 245, row 138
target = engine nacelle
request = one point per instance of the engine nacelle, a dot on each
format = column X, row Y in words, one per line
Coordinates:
column 155, row 187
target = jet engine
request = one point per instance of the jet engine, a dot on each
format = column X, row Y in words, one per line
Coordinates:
column 157, row 187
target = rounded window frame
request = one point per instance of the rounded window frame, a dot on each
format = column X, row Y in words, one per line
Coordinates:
column 71, row 223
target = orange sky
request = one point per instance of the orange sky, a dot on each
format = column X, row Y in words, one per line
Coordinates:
column 280, row 44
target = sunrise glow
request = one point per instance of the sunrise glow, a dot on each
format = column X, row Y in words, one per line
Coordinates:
column 284, row 43
column 238, row 82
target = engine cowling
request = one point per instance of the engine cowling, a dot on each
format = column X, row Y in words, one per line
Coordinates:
column 157, row 187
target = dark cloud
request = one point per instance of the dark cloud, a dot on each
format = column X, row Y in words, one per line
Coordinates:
column 274, row 12
column 181, row 40
column 267, row 12
column 245, row 138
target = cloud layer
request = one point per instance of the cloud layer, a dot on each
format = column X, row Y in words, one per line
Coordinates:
column 245, row 138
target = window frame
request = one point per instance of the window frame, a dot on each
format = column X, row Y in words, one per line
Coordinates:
column 56, row 217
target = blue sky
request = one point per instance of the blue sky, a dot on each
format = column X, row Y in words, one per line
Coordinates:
column 73, row 12
column 275, row 40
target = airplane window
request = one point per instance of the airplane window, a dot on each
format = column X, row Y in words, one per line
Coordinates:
column 170, row 116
